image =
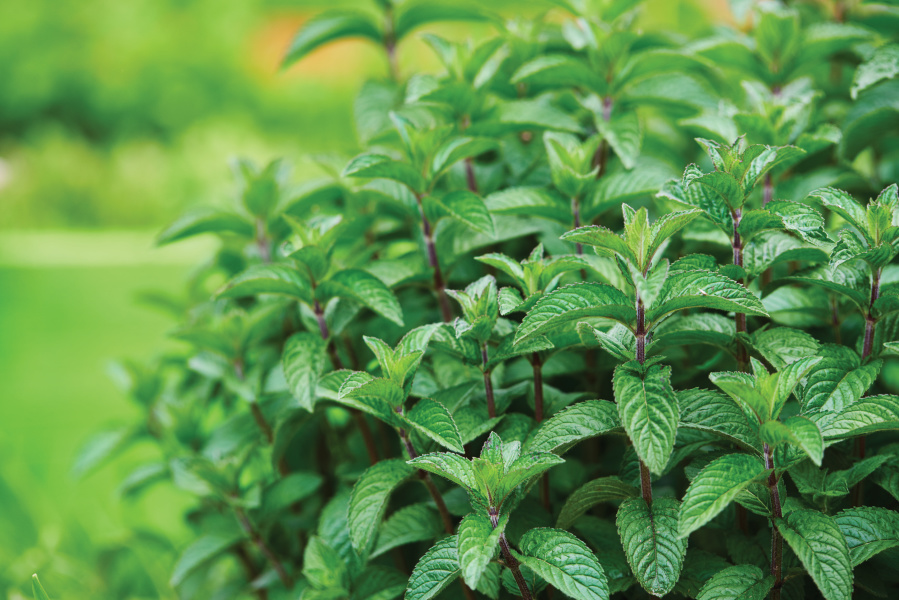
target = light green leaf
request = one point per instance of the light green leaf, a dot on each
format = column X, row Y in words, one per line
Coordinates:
column 205, row 221
column 432, row 419
column 459, row 148
column 868, row 415
column 604, row 241
column 531, row 202
column 649, row 413
column 565, row 562
column 818, row 542
column 572, row 303
column 478, row 544
column 416, row 13
column 269, row 279
column 413, row 523
column 435, row 570
column 844, row 205
column 378, row 166
column 883, row 64
column 576, row 423
column 742, row 582
column 378, row 583
column 723, row 186
column 710, row 411
column 303, row 361
column 800, row 432
column 869, row 530
column 559, row 70
column 327, row 27
column 202, row 550
column 651, row 544
column 703, row 289
column 666, row 226
column 369, row 499
column 451, row 466
column 466, row 207
column 715, row 487
column 604, row 489
column 365, row 288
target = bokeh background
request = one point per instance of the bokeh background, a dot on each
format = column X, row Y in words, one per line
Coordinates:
column 115, row 116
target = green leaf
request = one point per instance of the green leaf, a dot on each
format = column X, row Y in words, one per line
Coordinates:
column 846, row 206
column 378, row 583
column 369, row 499
column 742, row 582
column 649, row 413
column 37, row 589
column 564, row 562
column 327, row 27
column 269, row 279
column 703, row 289
column 883, row 64
column 464, row 206
column 818, row 542
column 666, row 226
column 365, row 288
column 624, row 134
column 413, row 523
column 604, row 489
column 800, row 432
column 531, row 202
column 651, row 544
column 304, row 361
column 451, row 466
column 715, row 487
column 459, row 148
column 723, row 186
column 99, row 448
column 710, row 411
column 572, row 303
column 435, row 570
column 378, row 166
column 604, row 241
column 525, row 468
column 205, row 221
column 323, row 565
column 868, row 415
column 576, row 423
column 869, row 530
column 415, row 13
column 478, row 544
column 202, row 550
column 432, row 419
column 837, row 381
column 559, row 70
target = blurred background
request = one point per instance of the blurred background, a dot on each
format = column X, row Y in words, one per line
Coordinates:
column 114, row 118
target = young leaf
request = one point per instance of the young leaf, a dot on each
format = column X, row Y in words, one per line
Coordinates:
column 432, row 419
column 435, row 570
column 710, row 411
column 478, row 544
column 650, row 541
column 715, row 487
column 649, row 412
column 378, row 166
column 743, row 582
column 799, row 431
column 369, row 499
column 365, row 288
column 464, row 206
column 572, row 303
column 303, row 362
column 564, row 562
column 323, row 566
column 451, row 466
column 818, row 542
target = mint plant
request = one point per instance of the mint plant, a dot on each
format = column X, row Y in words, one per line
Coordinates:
column 680, row 386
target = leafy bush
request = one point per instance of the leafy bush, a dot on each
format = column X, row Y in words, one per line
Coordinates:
column 389, row 380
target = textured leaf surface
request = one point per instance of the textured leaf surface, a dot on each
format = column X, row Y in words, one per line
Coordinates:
column 650, row 541
column 565, row 562
column 743, row 582
column 433, row 420
column 269, row 279
column 868, row 415
column 451, row 466
column 818, row 542
column 604, row 489
column 576, row 423
column 478, row 544
column 413, row 523
column 434, row 571
column 704, row 289
column 868, row 530
column 708, row 410
column 571, row 303
column 715, row 487
column 369, row 499
column 303, row 361
column 365, row 288
column 649, row 413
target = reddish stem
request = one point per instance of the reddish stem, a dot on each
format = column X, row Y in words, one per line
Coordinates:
column 488, row 384
column 776, row 538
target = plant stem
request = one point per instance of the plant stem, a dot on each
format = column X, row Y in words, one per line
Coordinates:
column 260, row 543
column 645, row 478
column 488, row 384
column 776, row 539
column 511, row 562
column 769, row 189
column 537, row 366
column 645, row 484
column 262, row 241
column 602, row 152
column 439, row 285
column 254, row 406
column 358, row 417
column 576, row 213
column 470, row 177
column 867, row 348
column 390, row 45
column 250, row 567
column 835, row 320
column 739, row 318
